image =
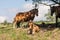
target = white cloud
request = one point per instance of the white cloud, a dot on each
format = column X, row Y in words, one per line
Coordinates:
column 28, row 6
column 2, row 19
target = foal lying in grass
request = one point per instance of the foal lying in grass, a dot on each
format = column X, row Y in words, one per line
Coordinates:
column 33, row 28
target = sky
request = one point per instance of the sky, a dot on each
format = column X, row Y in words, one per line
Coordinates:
column 9, row 8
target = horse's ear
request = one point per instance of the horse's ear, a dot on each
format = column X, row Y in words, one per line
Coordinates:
column 36, row 6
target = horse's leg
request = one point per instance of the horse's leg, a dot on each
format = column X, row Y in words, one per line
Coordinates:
column 33, row 31
column 18, row 24
column 56, row 21
column 22, row 22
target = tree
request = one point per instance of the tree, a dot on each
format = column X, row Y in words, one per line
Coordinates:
column 56, row 1
column 49, row 17
column 5, row 22
column 40, row 1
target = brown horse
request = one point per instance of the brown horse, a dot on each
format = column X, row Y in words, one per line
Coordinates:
column 33, row 28
column 56, row 10
column 25, row 16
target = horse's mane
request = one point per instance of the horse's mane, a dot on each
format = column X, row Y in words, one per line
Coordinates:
column 20, row 13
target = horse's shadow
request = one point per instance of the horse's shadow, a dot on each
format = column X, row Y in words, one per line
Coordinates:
column 48, row 27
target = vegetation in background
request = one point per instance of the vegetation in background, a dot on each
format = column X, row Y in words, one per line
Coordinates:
column 49, row 17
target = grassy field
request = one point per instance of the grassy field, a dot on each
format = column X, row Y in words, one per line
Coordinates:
column 7, row 32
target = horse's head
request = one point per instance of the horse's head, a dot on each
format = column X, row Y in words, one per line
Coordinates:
column 35, row 11
column 52, row 10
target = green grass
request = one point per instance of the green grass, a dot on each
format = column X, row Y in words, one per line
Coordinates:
column 8, row 33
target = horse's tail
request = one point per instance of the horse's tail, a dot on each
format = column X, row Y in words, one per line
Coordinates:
column 14, row 23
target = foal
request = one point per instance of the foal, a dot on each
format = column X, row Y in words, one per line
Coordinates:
column 33, row 28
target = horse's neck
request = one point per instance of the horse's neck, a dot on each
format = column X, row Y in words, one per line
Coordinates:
column 58, row 11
